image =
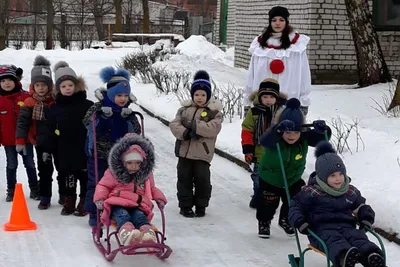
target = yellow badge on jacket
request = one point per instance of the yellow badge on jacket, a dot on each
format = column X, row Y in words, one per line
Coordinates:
column 57, row 132
column 298, row 156
column 203, row 114
column 20, row 103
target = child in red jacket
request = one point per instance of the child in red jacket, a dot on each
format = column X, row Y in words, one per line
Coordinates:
column 11, row 100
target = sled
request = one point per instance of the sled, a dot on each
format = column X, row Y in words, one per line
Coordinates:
column 103, row 244
column 299, row 261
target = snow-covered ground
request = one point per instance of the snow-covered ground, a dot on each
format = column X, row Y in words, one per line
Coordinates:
column 227, row 237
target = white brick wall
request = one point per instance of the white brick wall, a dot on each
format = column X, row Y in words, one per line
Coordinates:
column 331, row 51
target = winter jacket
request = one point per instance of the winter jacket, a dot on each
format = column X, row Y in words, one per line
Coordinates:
column 108, row 129
column 293, row 156
column 10, row 106
column 28, row 128
column 119, row 188
column 250, row 144
column 322, row 211
column 66, row 134
column 205, row 124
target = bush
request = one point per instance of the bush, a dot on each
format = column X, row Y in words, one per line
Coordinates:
column 342, row 132
column 387, row 97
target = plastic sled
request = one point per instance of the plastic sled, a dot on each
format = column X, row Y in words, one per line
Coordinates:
column 299, row 261
column 159, row 249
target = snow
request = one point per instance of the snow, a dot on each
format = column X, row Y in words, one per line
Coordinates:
column 227, row 236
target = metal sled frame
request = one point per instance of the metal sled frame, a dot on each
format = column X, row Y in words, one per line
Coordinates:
column 300, row 261
column 159, row 249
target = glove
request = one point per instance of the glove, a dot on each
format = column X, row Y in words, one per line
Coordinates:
column 161, row 204
column 248, row 157
column 304, row 110
column 365, row 224
column 320, row 126
column 285, row 126
column 21, row 148
column 107, row 111
column 46, row 157
column 187, row 134
column 125, row 112
column 302, row 226
column 99, row 204
column 187, row 124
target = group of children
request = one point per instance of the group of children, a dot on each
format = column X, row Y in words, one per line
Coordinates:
column 275, row 138
column 61, row 123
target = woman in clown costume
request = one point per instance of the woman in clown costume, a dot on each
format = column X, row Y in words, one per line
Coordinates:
column 280, row 53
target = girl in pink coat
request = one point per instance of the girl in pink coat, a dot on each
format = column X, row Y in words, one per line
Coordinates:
column 127, row 188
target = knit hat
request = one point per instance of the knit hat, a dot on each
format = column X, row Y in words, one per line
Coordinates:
column 10, row 72
column 278, row 11
column 62, row 72
column 134, row 152
column 41, row 71
column 117, row 81
column 328, row 161
column 201, row 81
column 293, row 113
column 268, row 87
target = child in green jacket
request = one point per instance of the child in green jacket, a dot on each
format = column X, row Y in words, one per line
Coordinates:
column 294, row 140
column 268, row 103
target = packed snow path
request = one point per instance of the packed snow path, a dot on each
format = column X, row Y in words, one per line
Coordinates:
column 227, row 236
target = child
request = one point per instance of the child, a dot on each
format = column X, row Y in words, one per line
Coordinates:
column 127, row 188
column 11, row 100
column 32, row 124
column 67, row 135
column 114, row 119
column 196, row 126
column 268, row 103
column 331, row 207
column 294, row 142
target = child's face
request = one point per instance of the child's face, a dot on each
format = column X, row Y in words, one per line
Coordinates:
column 291, row 137
column 336, row 180
column 7, row 84
column 133, row 165
column 121, row 99
column 268, row 100
column 67, row 88
column 200, row 97
column 41, row 88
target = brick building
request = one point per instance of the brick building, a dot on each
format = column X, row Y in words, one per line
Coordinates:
column 331, row 51
column 18, row 8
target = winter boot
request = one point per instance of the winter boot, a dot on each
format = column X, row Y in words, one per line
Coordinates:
column 253, row 203
column 69, row 206
column 350, row 258
column 80, row 211
column 35, row 193
column 187, row 212
column 284, row 224
column 44, row 203
column 126, row 233
column 376, row 260
column 200, row 211
column 61, row 200
column 10, row 195
column 149, row 236
column 264, row 229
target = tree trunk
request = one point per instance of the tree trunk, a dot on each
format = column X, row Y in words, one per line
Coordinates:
column 118, row 16
column 49, row 25
column 146, row 16
column 3, row 23
column 396, row 98
column 371, row 64
column 98, row 22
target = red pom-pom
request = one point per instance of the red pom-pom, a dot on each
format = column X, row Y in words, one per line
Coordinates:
column 277, row 66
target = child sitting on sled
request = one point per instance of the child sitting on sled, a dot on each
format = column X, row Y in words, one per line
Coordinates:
column 330, row 206
column 127, row 188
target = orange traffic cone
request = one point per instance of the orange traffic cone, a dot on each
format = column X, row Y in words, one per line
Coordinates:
column 19, row 217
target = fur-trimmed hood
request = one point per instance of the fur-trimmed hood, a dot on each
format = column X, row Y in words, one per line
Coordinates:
column 116, row 164
column 100, row 93
column 79, row 87
column 282, row 98
column 213, row 104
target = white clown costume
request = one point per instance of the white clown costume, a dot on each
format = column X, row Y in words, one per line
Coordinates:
column 289, row 66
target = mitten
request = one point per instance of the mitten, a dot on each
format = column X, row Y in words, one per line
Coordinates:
column 187, row 124
column 285, row 126
column 21, row 148
column 161, row 204
column 302, row 226
column 107, row 111
column 187, row 134
column 99, row 204
column 248, row 158
column 304, row 110
column 320, row 126
column 46, row 157
column 125, row 112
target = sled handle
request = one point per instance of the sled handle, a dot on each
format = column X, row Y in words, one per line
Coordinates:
column 140, row 115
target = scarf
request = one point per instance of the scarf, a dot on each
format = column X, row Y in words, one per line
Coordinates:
column 263, row 120
column 38, row 108
column 332, row 191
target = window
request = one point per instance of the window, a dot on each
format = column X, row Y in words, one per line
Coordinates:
column 386, row 14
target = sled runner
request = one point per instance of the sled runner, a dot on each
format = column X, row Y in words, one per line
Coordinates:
column 159, row 249
column 300, row 261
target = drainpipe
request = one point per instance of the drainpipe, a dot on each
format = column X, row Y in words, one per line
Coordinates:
column 223, row 24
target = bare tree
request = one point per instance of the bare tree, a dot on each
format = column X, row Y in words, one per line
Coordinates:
column 4, row 5
column 81, row 17
column 49, row 24
column 118, row 15
column 396, row 97
column 146, row 16
column 371, row 64
column 100, row 8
